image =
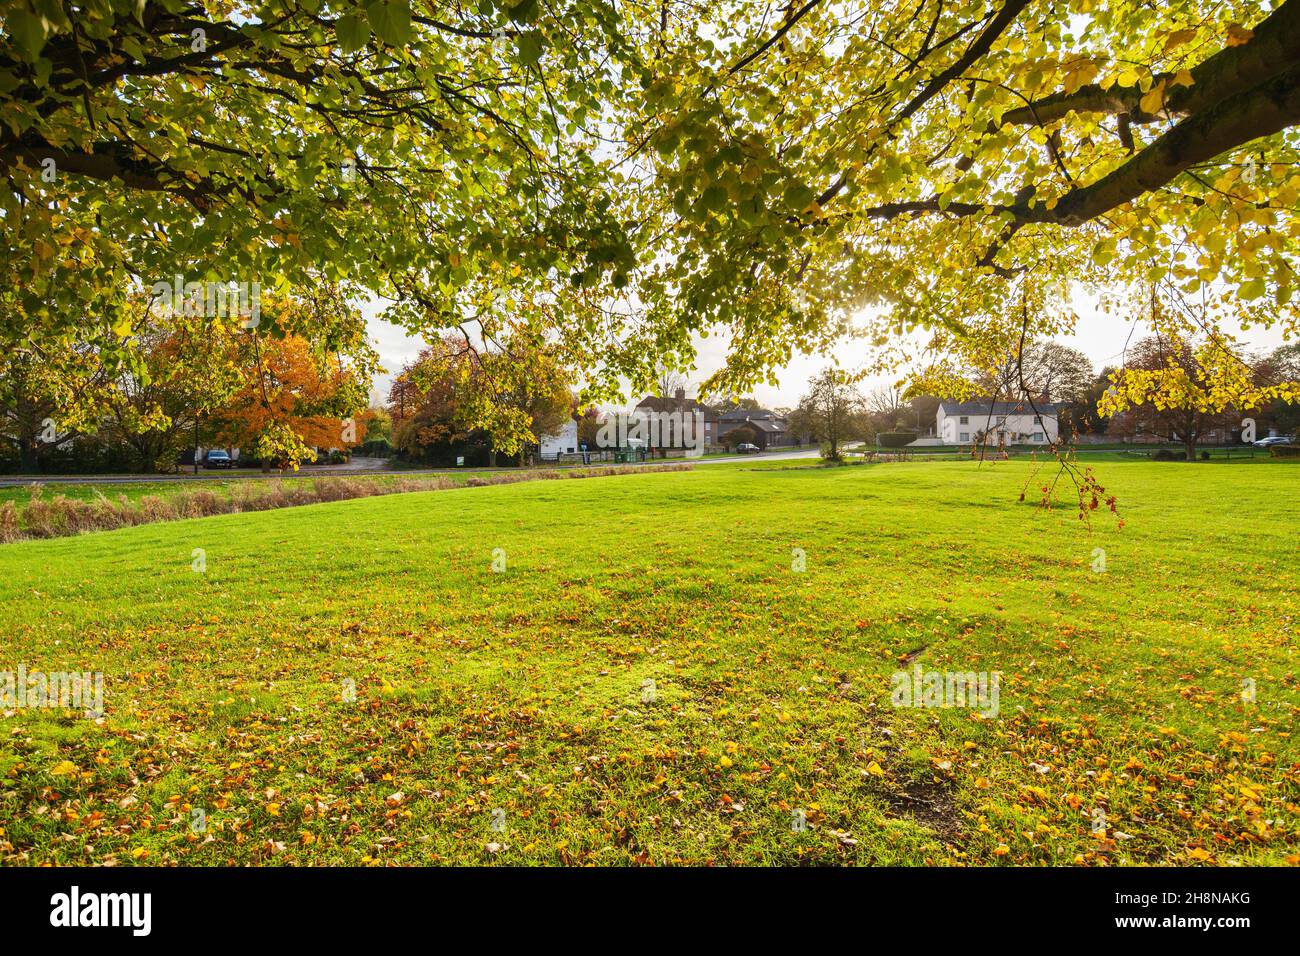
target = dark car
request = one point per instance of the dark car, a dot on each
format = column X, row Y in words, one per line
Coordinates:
column 745, row 448
column 218, row 459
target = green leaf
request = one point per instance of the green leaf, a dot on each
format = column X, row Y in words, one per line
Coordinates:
column 353, row 32
column 28, row 30
column 524, row 12
column 798, row 196
column 1251, row 290
column 714, row 199
column 530, row 47
column 391, row 21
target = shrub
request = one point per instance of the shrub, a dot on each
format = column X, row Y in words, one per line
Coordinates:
column 153, row 508
column 1164, row 454
column 1284, row 451
column 39, row 515
column 895, row 439
column 9, row 523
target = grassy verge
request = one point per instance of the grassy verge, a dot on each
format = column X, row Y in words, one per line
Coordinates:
column 1123, row 656
column 94, row 507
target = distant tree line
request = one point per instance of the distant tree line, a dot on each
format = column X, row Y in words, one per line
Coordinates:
column 283, row 391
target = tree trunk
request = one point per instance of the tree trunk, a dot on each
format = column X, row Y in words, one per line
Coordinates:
column 1190, row 445
column 29, row 461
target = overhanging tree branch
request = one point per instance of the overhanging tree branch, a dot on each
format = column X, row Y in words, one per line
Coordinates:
column 1274, row 46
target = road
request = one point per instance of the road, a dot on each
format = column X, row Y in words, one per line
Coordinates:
column 370, row 466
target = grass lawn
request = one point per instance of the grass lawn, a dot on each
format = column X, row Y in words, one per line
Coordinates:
column 522, row 690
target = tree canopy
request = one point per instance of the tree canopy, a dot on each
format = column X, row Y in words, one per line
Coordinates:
column 614, row 180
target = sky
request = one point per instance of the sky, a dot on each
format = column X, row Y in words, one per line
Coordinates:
column 1099, row 335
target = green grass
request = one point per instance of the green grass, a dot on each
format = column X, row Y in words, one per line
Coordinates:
column 522, row 690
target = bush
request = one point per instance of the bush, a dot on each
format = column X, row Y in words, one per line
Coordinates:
column 895, row 439
column 1164, row 454
column 1205, row 456
column 1284, row 451
column 9, row 523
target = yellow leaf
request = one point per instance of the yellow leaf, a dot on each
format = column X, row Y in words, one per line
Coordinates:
column 1178, row 38
column 1183, row 78
column 64, row 768
column 873, row 768
column 1237, row 35
column 1154, row 99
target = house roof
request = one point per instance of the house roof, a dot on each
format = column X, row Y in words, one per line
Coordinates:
column 746, row 415
column 656, row 404
column 767, row 425
column 995, row 409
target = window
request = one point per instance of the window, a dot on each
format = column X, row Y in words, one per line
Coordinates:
column 964, row 420
column 1038, row 436
column 964, row 436
column 1038, row 419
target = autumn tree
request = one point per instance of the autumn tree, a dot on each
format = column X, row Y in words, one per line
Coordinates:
column 589, row 425
column 960, row 167
column 886, row 405
column 1081, row 414
column 181, row 371
column 1172, row 389
column 1043, row 371
column 832, row 408
column 625, row 180
column 37, row 385
column 302, row 384
column 1280, row 366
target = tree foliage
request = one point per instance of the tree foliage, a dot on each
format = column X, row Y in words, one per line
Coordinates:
column 959, row 166
column 613, row 181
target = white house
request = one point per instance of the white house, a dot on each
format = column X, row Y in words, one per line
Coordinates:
column 1010, row 423
column 565, row 441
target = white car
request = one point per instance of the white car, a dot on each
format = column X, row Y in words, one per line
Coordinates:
column 1274, row 440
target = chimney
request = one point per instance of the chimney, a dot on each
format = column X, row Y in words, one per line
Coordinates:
column 680, row 395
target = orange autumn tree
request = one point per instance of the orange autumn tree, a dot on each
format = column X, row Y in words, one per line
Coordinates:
column 295, row 399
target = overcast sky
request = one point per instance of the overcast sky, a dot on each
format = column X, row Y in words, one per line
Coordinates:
column 1100, row 336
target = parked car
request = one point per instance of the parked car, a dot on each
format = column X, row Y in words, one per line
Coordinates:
column 218, row 459
column 745, row 448
column 1274, row 440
